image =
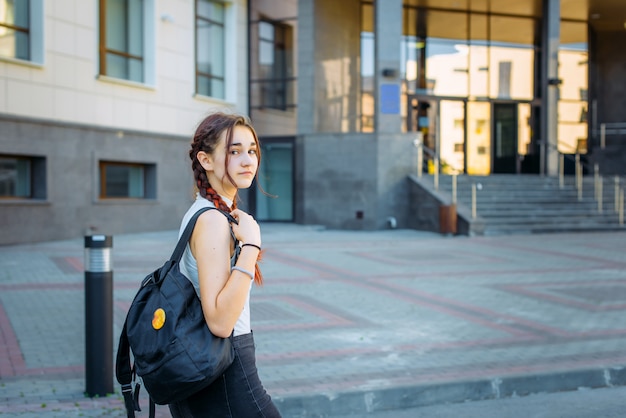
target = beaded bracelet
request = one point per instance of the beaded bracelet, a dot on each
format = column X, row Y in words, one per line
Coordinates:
column 244, row 271
column 251, row 245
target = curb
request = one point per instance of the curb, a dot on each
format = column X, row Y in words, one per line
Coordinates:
column 365, row 402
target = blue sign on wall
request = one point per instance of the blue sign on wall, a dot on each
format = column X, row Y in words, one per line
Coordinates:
column 390, row 99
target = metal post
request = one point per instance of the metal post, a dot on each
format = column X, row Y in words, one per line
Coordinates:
column 473, row 200
column 98, row 315
column 616, row 194
column 436, row 172
column 420, row 157
column 602, row 135
column 579, row 178
column 621, row 207
column 454, row 189
column 561, row 169
column 600, row 196
column 596, row 176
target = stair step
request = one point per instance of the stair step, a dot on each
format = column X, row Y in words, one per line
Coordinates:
column 518, row 204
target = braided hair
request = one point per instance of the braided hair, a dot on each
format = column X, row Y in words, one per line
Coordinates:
column 207, row 138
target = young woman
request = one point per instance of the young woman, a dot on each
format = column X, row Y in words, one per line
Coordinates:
column 225, row 155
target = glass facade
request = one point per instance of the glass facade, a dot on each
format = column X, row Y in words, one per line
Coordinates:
column 573, row 104
column 471, row 84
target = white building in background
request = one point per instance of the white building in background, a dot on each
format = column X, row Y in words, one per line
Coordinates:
column 98, row 102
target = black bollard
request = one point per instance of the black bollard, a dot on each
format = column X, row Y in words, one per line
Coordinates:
column 98, row 315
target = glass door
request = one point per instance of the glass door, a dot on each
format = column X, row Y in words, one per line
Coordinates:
column 276, row 179
column 478, row 138
column 505, row 138
column 452, row 136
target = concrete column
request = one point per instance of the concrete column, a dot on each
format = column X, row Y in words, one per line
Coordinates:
column 306, row 67
column 549, row 159
column 388, row 21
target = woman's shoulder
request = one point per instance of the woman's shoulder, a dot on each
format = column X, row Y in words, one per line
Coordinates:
column 198, row 204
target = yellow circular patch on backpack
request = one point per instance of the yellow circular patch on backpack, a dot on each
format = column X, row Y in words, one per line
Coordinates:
column 158, row 319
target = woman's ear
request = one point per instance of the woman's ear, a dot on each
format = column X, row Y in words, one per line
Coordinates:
column 205, row 160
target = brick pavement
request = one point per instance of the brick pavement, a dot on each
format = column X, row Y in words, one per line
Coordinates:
column 348, row 321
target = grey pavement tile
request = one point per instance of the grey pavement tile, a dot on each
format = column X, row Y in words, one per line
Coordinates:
column 372, row 311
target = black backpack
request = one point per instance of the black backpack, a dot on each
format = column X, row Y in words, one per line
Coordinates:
column 174, row 352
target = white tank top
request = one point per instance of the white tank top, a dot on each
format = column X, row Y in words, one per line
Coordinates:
column 189, row 266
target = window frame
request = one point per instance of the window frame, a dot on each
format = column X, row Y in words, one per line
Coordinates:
column 148, row 174
column 197, row 72
column 148, row 45
column 286, row 99
column 37, row 183
column 35, row 32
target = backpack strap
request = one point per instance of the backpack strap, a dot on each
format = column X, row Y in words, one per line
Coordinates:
column 124, row 374
column 186, row 235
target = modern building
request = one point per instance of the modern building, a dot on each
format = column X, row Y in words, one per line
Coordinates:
column 98, row 98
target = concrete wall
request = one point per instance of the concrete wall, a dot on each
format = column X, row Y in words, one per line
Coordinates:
column 72, row 205
column 354, row 181
column 426, row 205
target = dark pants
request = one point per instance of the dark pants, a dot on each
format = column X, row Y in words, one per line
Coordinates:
column 238, row 393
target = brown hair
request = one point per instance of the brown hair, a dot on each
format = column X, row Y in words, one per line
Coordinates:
column 207, row 138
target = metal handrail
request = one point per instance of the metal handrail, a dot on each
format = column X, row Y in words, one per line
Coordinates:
column 615, row 128
column 421, row 148
column 598, row 180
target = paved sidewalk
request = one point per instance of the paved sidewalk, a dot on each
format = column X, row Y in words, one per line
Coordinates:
column 348, row 321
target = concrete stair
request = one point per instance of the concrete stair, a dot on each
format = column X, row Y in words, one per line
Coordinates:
column 522, row 204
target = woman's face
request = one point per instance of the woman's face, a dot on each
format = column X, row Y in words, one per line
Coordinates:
column 242, row 162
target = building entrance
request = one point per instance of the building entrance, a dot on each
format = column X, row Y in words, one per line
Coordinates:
column 274, row 200
column 474, row 137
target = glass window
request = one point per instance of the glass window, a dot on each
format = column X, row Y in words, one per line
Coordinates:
column 274, row 84
column 367, row 67
column 434, row 52
column 121, row 39
column 478, row 138
column 573, row 105
column 15, row 177
column 447, row 53
column 127, row 180
column 22, row 177
column 210, row 61
column 15, row 29
column 478, row 57
column 511, row 57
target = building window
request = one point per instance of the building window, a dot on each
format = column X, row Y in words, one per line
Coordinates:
column 22, row 177
column 14, row 29
column 127, row 180
column 274, row 65
column 21, row 30
column 210, row 40
column 125, row 33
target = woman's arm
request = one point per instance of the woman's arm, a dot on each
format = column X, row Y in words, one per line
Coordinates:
column 223, row 293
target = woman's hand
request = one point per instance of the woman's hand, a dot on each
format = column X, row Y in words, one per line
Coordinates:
column 247, row 230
